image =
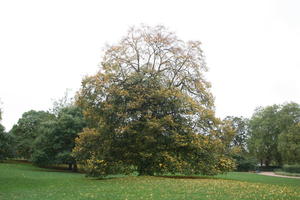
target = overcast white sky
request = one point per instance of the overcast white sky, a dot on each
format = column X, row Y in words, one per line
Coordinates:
column 252, row 47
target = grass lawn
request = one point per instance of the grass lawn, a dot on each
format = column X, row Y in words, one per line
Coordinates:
column 26, row 182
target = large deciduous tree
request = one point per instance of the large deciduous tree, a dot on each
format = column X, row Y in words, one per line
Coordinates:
column 150, row 109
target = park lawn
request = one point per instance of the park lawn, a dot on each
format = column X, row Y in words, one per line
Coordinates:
column 26, row 182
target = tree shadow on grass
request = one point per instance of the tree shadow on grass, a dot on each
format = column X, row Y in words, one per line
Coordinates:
column 187, row 177
column 42, row 168
column 17, row 161
column 102, row 178
column 53, row 169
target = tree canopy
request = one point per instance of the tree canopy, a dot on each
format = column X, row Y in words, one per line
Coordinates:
column 289, row 144
column 149, row 108
column 26, row 131
column 47, row 138
column 270, row 128
column 57, row 136
column 241, row 129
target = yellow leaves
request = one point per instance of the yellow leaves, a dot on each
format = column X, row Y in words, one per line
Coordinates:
column 124, row 93
column 168, row 119
column 84, row 143
column 226, row 164
column 144, row 113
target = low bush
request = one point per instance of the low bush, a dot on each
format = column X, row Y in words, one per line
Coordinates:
column 291, row 168
column 280, row 172
column 244, row 164
column 268, row 168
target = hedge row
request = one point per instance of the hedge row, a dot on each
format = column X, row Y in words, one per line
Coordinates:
column 291, row 168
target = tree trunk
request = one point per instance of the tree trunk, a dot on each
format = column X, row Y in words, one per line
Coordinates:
column 145, row 171
column 279, row 161
column 75, row 167
column 267, row 162
column 70, row 167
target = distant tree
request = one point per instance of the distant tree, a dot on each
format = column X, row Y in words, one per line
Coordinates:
column 4, row 144
column 6, row 148
column 57, row 138
column 239, row 148
column 150, row 108
column 61, row 103
column 289, row 145
column 266, row 125
column 241, row 129
column 264, row 134
column 26, row 131
column 289, row 115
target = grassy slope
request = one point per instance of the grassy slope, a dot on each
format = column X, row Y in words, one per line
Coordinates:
column 23, row 181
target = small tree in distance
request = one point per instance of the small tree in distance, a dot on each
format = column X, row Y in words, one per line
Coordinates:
column 273, row 134
column 6, row 142
column 150, row 109
column 26, row 131
column 57, row 138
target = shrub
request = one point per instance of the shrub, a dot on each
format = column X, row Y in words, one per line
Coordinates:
column 244, row 164
column 291, row 168
column 268, row 168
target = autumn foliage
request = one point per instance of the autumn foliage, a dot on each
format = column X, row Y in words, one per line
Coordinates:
column 149, row 109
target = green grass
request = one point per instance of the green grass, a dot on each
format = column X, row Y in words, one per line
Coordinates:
column 26, row 182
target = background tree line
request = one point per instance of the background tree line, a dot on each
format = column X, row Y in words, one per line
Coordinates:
column 46, row 137
column 270, row 137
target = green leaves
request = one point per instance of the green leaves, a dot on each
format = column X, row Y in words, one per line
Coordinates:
column 57, row 137
column 26, row 131
column 6, row 144
column 271, row 127
column 289, row 144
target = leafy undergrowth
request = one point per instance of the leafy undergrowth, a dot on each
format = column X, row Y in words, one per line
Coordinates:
column 24, row 181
